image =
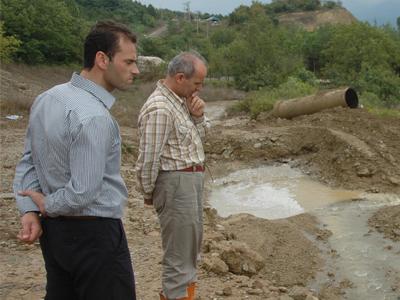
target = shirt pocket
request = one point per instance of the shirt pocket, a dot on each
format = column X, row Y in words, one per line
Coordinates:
column 184, row 133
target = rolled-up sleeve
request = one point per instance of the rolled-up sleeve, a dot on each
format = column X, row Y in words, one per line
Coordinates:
column 26, row 178
column 87, row 159
column 154, row 128
column 203, row 125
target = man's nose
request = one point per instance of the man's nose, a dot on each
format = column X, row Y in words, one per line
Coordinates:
column 135, row 70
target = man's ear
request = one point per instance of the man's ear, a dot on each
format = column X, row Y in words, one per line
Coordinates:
column 102, row 60
column 180, row 77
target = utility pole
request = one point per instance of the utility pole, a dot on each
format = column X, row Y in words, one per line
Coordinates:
column 197, row 21
column 186, row 6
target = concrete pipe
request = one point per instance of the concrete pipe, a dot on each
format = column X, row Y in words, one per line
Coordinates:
column 346, row 97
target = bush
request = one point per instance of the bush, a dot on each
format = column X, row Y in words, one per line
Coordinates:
column 306, row 76
column 293, row 88
column 370, row 100
column 382, row 83
column 264, row 99
column 8, row 46
column 366, row 57
column 47, row 29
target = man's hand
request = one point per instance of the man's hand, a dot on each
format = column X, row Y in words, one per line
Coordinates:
column 36, row 197
column 31, row 228
column 196, row 105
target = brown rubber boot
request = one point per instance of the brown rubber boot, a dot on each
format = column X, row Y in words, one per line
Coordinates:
column 190, row 291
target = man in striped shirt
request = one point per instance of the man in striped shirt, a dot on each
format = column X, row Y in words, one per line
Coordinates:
column 170, row 169
column 70, row 174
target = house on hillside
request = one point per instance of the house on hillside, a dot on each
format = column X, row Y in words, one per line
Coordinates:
column 213, row 20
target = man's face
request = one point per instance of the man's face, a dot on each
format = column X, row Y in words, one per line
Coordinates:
column 193, row 85
column 122, row 68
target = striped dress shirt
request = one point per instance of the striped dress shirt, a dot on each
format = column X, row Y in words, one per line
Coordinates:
column 170, row 138
column 73, row 153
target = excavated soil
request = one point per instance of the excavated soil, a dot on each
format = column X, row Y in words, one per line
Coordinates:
column 340, row 147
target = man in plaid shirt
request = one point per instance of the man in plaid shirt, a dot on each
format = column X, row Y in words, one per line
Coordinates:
column 170, row 169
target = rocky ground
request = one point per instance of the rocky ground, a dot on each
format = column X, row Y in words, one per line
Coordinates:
column 244, row 257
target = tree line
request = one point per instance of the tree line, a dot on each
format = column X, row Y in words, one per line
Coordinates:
column 249, row 45
column 259, row 52
column 52, row 31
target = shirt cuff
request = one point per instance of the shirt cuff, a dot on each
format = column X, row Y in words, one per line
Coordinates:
column 25, row 204
column 198, row 120
column 50, row 206
column 148, row 196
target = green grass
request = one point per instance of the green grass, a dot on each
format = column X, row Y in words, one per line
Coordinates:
column 375, row 106
column 384, row 112
column 263, row 100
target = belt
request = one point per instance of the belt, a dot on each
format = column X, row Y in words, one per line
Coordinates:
column 197, row 168
column 76, row 218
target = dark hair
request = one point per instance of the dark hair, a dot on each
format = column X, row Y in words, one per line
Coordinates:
column 184, row 63
column 105, row 36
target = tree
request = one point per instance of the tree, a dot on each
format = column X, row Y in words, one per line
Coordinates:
column 221, row 37
column 262, row 54
column 366, row 57
column 48, row 32
column 314, row 43
column 8, row 45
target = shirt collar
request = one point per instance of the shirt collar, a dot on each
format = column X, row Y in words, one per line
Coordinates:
column 168, row 92
column 93, row 88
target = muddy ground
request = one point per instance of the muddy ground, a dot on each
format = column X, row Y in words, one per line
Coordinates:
column 244, row 257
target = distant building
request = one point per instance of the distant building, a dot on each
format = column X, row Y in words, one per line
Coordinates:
column 213, row 20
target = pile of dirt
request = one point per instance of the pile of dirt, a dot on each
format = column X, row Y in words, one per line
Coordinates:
column 341, row 147
column 387, row 221
column 20, row 84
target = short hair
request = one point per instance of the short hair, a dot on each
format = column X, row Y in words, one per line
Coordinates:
column 185, row 63
column 104, row 36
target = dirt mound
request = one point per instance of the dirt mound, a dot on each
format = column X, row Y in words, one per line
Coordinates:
column 20, row 84
column 387, row 221
column 311, row 20
column 278, row 241
column 350, row 148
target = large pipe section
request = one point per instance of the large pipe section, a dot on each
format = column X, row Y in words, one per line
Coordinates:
column 346, row 97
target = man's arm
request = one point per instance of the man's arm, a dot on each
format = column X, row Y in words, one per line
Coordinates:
column 203, row 125
column 87, row 158
column 154, row 129
column 196, row 107
column 26, row 178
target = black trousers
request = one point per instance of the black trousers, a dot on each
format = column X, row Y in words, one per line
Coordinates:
column 86, row 260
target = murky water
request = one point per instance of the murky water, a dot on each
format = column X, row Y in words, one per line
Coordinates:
column 272, row 192
column 370, row 262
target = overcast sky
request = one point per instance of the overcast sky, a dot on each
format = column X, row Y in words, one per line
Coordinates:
column 381, row 11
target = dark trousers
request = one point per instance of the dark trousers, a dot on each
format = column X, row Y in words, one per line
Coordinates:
column 87, row 260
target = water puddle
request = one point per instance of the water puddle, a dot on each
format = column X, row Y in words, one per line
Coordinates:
column 370, row 262
column 272, row 192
